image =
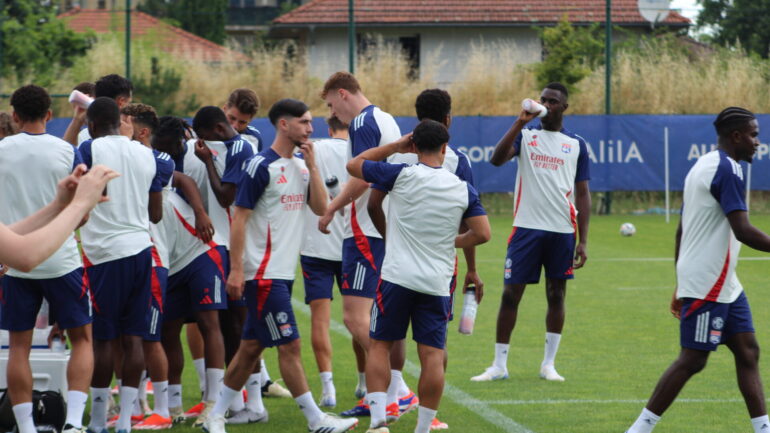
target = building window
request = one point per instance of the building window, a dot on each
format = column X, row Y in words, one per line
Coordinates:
column 101, row 4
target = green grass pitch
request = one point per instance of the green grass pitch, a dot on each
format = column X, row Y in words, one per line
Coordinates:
column 619, row 338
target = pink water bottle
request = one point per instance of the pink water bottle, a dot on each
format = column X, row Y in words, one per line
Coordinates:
column 80, row 99
column 468, row 316
column 534, row 107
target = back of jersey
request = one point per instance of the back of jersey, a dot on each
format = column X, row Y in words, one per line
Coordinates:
column 119, row 228
column 30, row 168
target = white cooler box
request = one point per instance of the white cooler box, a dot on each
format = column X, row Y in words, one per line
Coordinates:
column 49, row 368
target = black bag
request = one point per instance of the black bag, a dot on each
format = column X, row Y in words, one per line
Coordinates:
column 48, row 411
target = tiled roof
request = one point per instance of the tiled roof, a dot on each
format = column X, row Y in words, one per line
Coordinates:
column 483, row 12
column 169, row 38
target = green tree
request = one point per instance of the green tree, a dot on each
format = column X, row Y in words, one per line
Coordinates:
column 159, row 89
column 744, row 21
column 35, row 42
column 571, row 53
column 205, row 18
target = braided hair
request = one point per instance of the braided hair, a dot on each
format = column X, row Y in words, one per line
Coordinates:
column 170, row 135
column 731, row 119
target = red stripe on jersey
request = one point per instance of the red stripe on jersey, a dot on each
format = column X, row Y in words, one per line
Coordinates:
column 157, row 262
column 380, row 305
column 86, row 281
column 572, row 213
column 263, row 286
column 157, row 290
column 716, row 289
column 361, row 241
column 455, row 271
column 213, row 253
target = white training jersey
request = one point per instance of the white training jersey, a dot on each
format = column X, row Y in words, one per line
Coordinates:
column 331, row 156
column 193, row 167
column 276, row 189
column 455, row 162
column 229, row 158
column 253, row 136
column 372, row 128
column 31, row 165
column 187, row 247
column 426, row 208
column 163, row 234
column 83, row 136
column 708, row 251
column 550, row 163
column 119, row 228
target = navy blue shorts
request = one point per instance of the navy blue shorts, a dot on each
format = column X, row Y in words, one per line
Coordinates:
column 397, row 306
column 705, row 325
column 158, row 285
column 200, row 286
column 319, row 276
column 122, row 292
column 531, row 250
column 69, row 300
column 269, row 317
column 361, row 265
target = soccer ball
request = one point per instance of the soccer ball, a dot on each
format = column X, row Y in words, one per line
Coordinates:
column 627, row 229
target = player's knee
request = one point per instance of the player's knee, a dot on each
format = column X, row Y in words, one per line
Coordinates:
column 289, row 351
column 508, row 298
column 692, row 365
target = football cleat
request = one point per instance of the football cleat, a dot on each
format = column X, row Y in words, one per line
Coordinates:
column 176, row 414
column 392, row 413
column 382, row 428
column 438, row 425
column 274, row 389
column 548, row 372
column 360, row 409
column 134, row 420
column 154, row 422
column 204, row 414
column 490, row 374
column 214, row 424
column 247, row 416
column 195, row 411
column 328, row 401
column 331, row 423
column 408, row 403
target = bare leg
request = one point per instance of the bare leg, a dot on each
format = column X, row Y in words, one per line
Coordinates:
column 509, row 307
column 19, row 373
column 689, row 363
column 320, row 313
column 356, row 311
column 746, row 351
column 555, row 292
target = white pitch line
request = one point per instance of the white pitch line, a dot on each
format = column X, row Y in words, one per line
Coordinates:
column 593, row 401
column 481, row 408
column 635, row 259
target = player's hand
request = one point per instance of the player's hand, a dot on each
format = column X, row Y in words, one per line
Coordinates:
column 203, row 227
column 78, row 114
column 324, row 221
column 676, row 306
column 90, row 186
column 202, row 151
column 65, row 189
column 308, row 154
column 235, row 284
column 472, row 277
column 126, row 126
column 405, row 144
column 526, row 117
column 580, row 256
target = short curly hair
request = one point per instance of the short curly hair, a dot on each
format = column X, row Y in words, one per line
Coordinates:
column 31, row 103
column 434, row 104
column 142, row 113
column 245, row 100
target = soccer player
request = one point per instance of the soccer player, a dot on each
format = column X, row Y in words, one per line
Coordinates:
column 709, row 300
column 7, row 125
column 321, row 255
column 31, row 165
column 112, row 86
column 117, row 253
column 362, row 247
column 272, row 194
column 433, row 104
column 553, row 172
column 241, row 107
column 427, row 206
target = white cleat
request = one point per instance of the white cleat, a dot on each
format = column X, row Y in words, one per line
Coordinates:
column 360, row 392
column 382, row 428
column 331, row 423
column 548, row 372
column 204, row 414
column 490, row 374
column 247, row 416
column 214, row 424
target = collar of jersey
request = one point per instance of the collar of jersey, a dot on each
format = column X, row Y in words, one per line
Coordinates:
column 230, row 142
column 429, row 166
column 29, row 133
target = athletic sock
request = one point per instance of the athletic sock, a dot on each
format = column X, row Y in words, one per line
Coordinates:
column 394, row 387
column 200, row 368
column 327, row 383
column 761, row 424
column 99, row 401
column 361, row 380
column 551, row 347
column 254, row 388
column 175, row 395
column 501, row 356
column 160, row 398
column 424, row 419
column 238, row 403
column 311, row 411
column 76, row 404
column 214, row 382
column 223, row 401
column 23, row 414
column 377, row 402
column 403, row 389
column 263, row 371
column 254, row 391
column 128, row 397
column 645, row 423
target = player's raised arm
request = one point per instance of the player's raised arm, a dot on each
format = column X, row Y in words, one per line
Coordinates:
column 203, row 226
column 316, row 189
column 402, row 145
column 505, row 148
column 235, row 280
column 224, row 192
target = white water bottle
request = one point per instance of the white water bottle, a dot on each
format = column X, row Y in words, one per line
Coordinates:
column 80, row 99
column 468, row 316
column 534, row 107
column 57, row 345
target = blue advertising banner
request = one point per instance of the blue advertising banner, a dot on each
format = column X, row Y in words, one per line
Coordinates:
column 627, row 152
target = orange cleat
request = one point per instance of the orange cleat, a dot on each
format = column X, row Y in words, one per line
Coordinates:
column 195, row 411
column 154, row 422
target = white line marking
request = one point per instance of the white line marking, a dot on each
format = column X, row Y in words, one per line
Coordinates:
column 630, row 289
column 481, row 408
column 637, row 259
column 592, row 401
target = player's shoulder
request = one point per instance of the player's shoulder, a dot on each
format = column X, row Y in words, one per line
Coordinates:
column 573, row 135
column 260, row 162
column 238, row 145
column 254, row 132
column 726, row 166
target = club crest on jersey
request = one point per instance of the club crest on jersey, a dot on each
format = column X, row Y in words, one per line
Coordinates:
column 305, row 175
column 286, row 330
column 715, row 336
column 566, row 148
column 718, row 323
column 282, row 317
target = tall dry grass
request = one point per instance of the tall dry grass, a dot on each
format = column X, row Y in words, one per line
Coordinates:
column 647, row 79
